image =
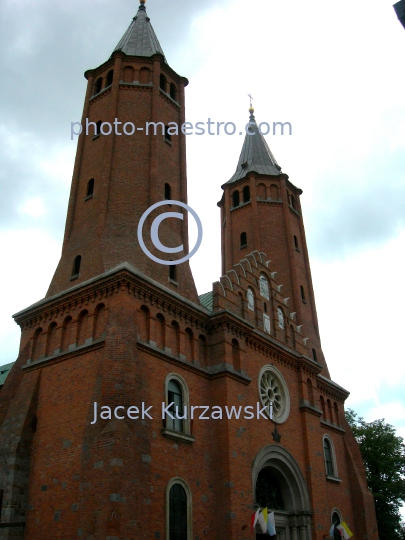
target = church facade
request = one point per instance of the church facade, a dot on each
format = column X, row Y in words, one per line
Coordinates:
column 137, row 409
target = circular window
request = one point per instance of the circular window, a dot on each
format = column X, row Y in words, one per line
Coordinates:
column 273, row 388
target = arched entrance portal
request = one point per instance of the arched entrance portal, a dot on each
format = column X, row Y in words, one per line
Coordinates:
column 279, row 484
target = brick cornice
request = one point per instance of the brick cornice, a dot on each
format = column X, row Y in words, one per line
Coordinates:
column 123, row 278
column 331, row 389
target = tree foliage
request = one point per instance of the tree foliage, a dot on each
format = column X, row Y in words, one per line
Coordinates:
column 384, row 459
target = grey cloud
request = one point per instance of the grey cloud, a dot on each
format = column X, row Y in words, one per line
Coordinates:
column 45, row 48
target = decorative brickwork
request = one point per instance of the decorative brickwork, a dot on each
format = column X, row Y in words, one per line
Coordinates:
column 115, row 330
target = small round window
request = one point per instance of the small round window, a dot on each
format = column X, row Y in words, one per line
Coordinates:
column 273, row 388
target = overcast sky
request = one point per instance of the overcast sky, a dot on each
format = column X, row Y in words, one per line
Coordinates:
column 334, row 70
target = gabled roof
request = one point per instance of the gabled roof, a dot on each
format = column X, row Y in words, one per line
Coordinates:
column 140, row 38
column 256, row 155
column 4, row 371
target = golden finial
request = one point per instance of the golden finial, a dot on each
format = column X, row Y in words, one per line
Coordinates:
column 142, row 1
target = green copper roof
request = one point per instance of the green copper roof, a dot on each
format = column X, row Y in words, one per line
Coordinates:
column 256, row 155
column 140, row 38
column 206, row 300
column 4, row 371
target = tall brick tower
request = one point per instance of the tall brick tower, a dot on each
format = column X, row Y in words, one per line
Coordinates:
column 261, row 210
column 117, row 176
column 86, row 448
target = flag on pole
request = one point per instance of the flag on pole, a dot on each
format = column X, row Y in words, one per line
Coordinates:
column 271, row 524
column 254, row 518
column 344, row 530
column 263, row 520
column 332, row 530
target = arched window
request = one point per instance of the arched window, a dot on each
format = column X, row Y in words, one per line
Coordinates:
column 144, row 323
column 100, row 321
column 178, row 513
column 76, row 266
column 336, row 521
column 176, row 409
column 51, row 340
column 250, row 299
column 264, row 286
column 330, row 413
column 173, row 91
column 235, row 355
column 246, row 194
column 168, row 137
column 261, row 192
column 67, row 334
column 90, row 188
column 322, row 400
column 329, row 455
column 235, row 199
column 337, row 415
column 293, row 202
column 243, row 240
column 314, row 355
column 296, row 243
column 144, row 76
column 177, row 403
column 109, row 78
column 274, row 192
column 175, row 338
column 160, row 331
column 178, row 510
column 37, row 344
column 128, row 74
column 189, row 345
column 163, row 82
column 83, row 328
column 168, row 192
column 302, row 293
column 280, row 316
column 98, row 86
column 173, row 272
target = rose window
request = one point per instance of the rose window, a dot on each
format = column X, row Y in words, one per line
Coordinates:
column 273, row 388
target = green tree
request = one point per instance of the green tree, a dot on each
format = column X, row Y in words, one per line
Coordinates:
column 384, row 458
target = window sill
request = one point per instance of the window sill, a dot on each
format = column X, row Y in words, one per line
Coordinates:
column 333, row 479
column 297, row 250
column 88, row 197
column 76, row 276
column 177, row 436
column 167, row 141
column 243, row 246
column 172, row 281
column 96, row 137
column 303, row 300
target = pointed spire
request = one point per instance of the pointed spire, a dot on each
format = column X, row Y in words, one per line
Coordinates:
column 256, row 155
column 140, row 38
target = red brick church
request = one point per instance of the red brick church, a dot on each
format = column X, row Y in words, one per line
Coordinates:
column 84, row 449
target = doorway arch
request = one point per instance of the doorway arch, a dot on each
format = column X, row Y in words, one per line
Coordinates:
column 279, row 484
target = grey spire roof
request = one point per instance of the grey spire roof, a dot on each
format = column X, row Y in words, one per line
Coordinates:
column 256, row 155
column 140, row 38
